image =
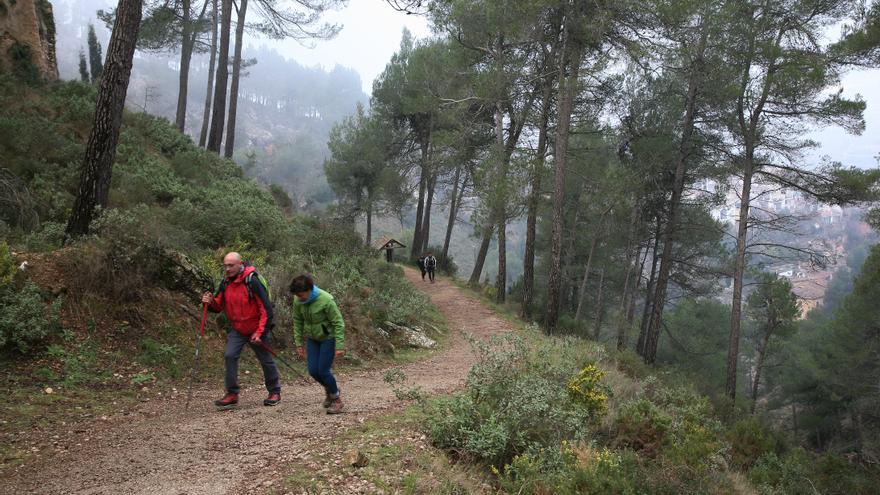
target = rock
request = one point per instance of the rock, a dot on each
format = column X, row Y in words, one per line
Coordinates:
column 48, row 390
column 356, row 458
column 413, row 337
column 420, row 340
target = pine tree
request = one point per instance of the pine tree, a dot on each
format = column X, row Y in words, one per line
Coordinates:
column 94, row 184
column 83, row 67
column 96, row 59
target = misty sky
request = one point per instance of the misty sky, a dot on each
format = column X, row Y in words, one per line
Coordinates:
column 371, row 34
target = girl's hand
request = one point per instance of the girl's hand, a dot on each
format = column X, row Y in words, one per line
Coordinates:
column 300, row 352
column 340, row 353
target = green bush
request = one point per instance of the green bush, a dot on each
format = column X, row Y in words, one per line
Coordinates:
column 515, row 400
column 146, row 180
column 27, row 320
column 642, row 426
column 49, row 237
column 772, row 474
column 74, row 100
column 798, row 472
column 159, row 132
column 749, row 440
column 7, row 265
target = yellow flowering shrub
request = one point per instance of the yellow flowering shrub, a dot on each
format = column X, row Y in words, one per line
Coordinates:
column 586, row 388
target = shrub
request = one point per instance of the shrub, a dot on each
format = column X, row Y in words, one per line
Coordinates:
column 642, row 426
column 587, row 389
column 22, row 63
column 515, row 399
column 7, row 265
column 49, row 237
column 159, row 132
column 772, row 474
column 26, row 319
column 749, row 440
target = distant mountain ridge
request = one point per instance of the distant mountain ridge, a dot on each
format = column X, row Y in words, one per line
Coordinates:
column 285, row 110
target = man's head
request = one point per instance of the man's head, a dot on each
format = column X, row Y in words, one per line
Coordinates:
column 302, row 286
column 232, row 264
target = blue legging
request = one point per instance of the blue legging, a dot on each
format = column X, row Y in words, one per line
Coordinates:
column 320, row 359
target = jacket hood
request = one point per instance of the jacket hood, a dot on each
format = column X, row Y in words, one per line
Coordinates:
column 312, row 296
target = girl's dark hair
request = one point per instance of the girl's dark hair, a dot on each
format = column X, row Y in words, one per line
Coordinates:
column 302, row 283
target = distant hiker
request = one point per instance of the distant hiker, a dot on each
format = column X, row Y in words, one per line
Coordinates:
column 421, row 263
column 316, row 318
column 430, row 266
column 245, row 301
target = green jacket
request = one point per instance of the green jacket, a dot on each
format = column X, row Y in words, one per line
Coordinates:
column 318, row 320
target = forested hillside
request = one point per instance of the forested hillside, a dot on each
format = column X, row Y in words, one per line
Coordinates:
column 690, row 294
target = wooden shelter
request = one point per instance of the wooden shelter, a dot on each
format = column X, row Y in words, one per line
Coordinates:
column 389, row 244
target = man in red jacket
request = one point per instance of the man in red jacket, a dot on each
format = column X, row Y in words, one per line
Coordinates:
column 246, row 303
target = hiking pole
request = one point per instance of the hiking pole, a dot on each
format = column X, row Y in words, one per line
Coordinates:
column 283, row 361
column 192, row 375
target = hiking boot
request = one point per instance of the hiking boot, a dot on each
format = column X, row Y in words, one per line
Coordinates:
column 273, row 399
column 227, row 402
column 328, row 400
column 335, row 406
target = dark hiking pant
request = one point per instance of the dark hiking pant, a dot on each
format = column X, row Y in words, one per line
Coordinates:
column 235, row 342
column 320, row 356
column 430, row 274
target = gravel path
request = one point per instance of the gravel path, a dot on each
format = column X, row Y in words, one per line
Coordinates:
column 161, row 449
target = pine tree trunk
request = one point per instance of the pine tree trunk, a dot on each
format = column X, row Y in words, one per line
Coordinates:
column 567, row 89
column 97, row 169
column 532, row 207
column 369, row 224
column 582, row 293
column 209, row 92
column 684, row 150
column 649, row 295
column 738, row 271
column 759, row 367
column 186, row 50
column 501, row 281
column 453, row 213
column 631, row 312
column 600, row 306
column 474, row 280
column 218, row 118
column 499, row 206
column 416, row 249
column 429, row 203
column 236, row 76
column 632, row 257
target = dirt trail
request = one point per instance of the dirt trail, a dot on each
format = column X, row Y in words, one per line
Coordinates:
column 160, row 449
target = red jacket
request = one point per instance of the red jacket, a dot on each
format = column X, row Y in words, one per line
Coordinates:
column 248, row 315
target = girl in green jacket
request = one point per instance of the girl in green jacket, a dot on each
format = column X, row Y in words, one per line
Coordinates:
column 316, row 318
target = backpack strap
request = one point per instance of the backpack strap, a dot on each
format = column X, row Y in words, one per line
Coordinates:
column 247, row 283
column 222, row 287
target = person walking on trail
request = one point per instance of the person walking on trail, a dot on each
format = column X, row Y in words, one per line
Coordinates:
column 430, row 266
column 318, row 322
column 421, row 263
column 245, row 301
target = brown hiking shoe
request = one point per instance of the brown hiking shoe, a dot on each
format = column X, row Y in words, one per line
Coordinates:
column 335, row 406
column 228, row 401
column 327, row 401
